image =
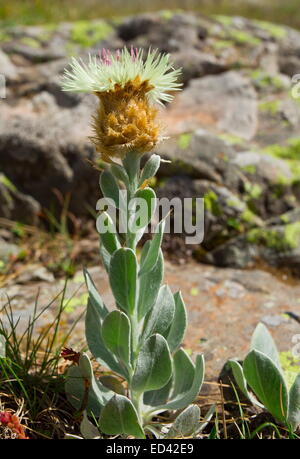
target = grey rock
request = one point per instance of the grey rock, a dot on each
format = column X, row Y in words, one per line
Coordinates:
column 7, row 250
column 228, row 101
column 8, row 69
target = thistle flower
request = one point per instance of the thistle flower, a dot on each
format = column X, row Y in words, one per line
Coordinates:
column 128, row 87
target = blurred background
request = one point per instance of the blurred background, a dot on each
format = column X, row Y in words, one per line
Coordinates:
column 39, row 11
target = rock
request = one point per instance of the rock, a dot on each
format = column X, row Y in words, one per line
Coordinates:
column 15, row 205
column 226, row 101
column 195, row 64
column 7, row 251
column 199, row 154
column 277, row 245
column 289, row 65
column 8, row 69
column 263, row 167
column 34, row 273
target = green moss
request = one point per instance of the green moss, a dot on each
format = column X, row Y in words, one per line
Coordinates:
column 250, row 168
column 248, row 216
column 87, row 34
column 265, row 80
column 289, row 151
column 71, row 304
column 31, row 42
column 243, row 38
column 169, row 14
column 253, row 190
column 7, row 183
column 276, row 31
column 222, row 44
column 211, row 203
column 290, row 365
column 275, row 239
column 234, row 223
column 184, row 140
column 271, row 107
column 231, row 138
column 284, row 218
column 235, row 203
column 224, row 20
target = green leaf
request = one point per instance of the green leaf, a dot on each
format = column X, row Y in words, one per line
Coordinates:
column 116, row 331
column 240, row 379
column 294, row 404
column 109, row 237
column 109, row 187
column 186, row 423
column 120, row 417
column 182, row 400
column 142, row 213
column 150, row 284
column 184, row 373
column 267, row 383
column 105, row 257
column 178, row 326
column 120, row 173
column 123, row 279
column 88, row 430
column 150, row 168
column 152, row 255
column 96, row 312
column 162, row 314
column 92, row 399
column 157, row 397
column 94, row 297
column 153, row 367
column 112, row 383
column 262, row 341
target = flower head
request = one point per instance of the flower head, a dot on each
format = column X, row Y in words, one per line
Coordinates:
column 13, row 423
column 127, row 86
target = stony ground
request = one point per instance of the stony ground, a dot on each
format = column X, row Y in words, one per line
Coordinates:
column 234, row 140
column 224, row 306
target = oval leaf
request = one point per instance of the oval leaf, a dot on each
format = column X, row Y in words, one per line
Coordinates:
column 150, row 168
column 120, row 417
column 294, row 404
column 116, row 335
column 150, row 285
column 186, row 423
column 122, row 276
column 162, row 314
column 178, row 327
column 152, row 255
column 267, row 383
column 154, row 367
column 262, row 341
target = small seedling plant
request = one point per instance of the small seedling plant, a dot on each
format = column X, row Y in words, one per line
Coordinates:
column 262, row 373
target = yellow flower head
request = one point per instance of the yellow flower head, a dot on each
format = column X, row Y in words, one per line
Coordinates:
column 128, row 87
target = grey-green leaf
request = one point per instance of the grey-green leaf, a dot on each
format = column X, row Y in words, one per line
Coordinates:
column 178, row 326
column 108, row 235
column 109, row 187
column 267, row 383
column 116, row 335
column 162, row 314
column 186, row 423
column 262, row 341
column 184, row 373
column 160, row 396
column 88, row 430
column 150, row 168
column 123, row 278
column 154, row 366
column 120, row 173
column 150, row 284
column 105, row 257
column 120, row 417
column 240, row 379
column 96, row 312
column 94, row 297
column 294, row 404
column 152, row 255
column 92, row 399
column 182, row 400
